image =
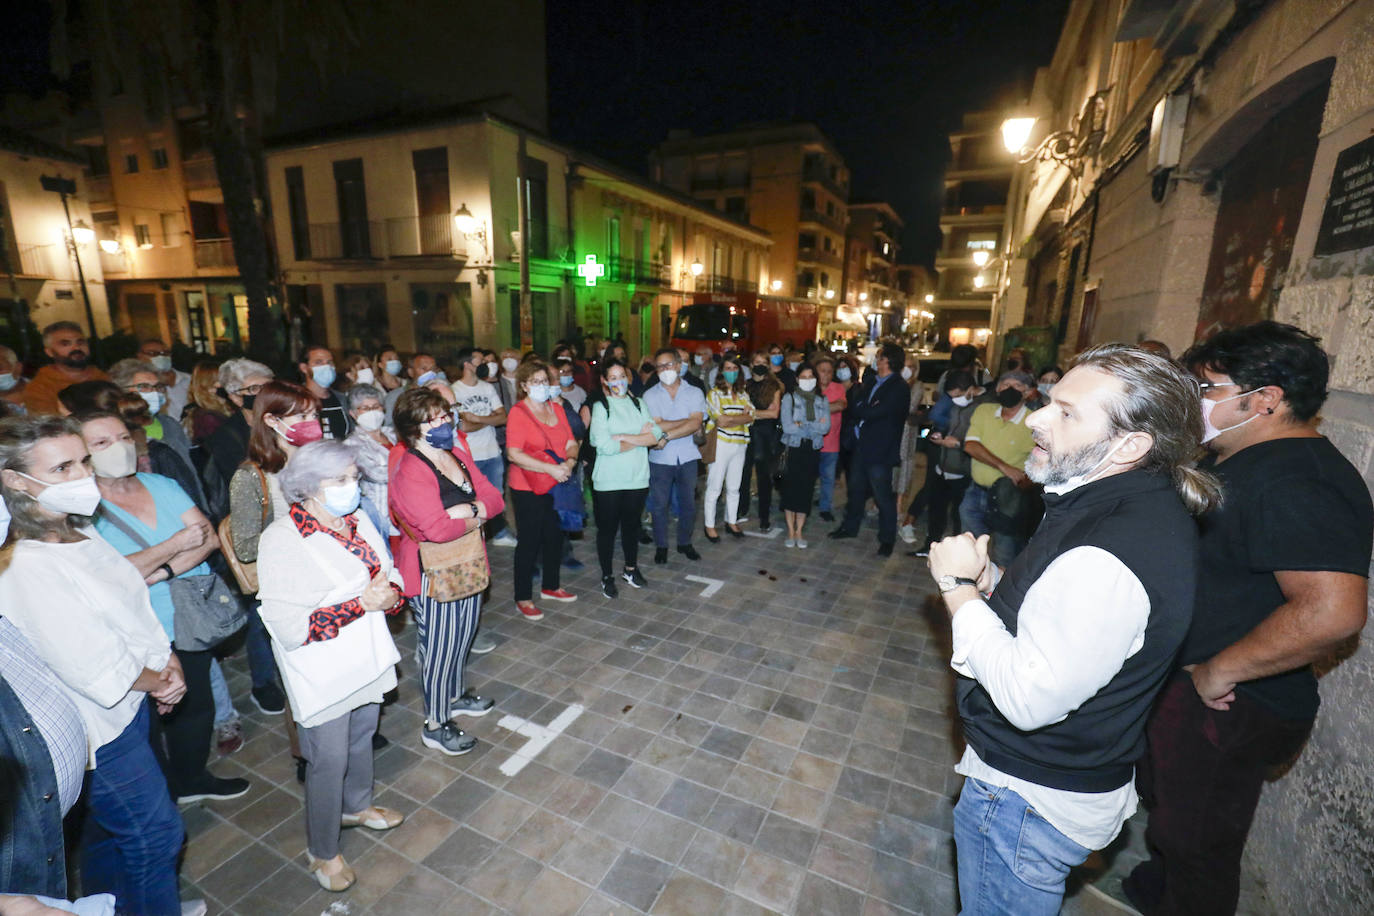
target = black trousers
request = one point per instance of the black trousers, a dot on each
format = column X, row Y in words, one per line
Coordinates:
column 538, row 536
column 618, row 510
column 181, row 738
column 762, row 457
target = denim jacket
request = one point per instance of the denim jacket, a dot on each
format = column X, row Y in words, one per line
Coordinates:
column 32, row 860
column 795, row 426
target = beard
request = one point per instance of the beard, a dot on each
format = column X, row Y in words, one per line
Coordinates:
column 75, row 359
column 1059, row 468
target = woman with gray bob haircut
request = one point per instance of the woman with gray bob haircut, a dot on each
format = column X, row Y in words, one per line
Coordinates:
column 326, row 582
column 371, row 440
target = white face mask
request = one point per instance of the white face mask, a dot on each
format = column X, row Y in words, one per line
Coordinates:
column 806, row 384
column 365, row 376
column 510, row 364
column 962, row 400
column 161, row 363
column 1210, row 432
column 119, row 459
column 906, row 373
column 667, row 376
column 699, row 360
column 4, row 521
column 371, row 420
column 70, row 497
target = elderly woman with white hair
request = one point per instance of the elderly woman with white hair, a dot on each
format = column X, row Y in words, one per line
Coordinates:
column 372, row 440
column 326, row 582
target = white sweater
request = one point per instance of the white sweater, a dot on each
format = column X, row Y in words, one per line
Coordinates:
column 296, row 577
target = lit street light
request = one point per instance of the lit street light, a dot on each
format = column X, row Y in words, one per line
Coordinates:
column 776, row 285
column 980, row 257
column 1016, row 133
column 930, row 297
column 697, row 268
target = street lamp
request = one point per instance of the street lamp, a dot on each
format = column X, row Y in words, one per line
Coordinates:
column 980, row 257
column 109, row 246
column 863, row 297
column 930, row 297
column 1068, row 148
column 697, row 268
column 77, row 235
column 82, row 234
column 471, row 227
column 887, row 303
column 776, row 285
column 830, row 294
column 979, row 281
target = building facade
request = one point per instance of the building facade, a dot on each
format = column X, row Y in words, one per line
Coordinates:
column 977, row 185
column 651, row 251
column 788, row 180
column 39, row 248
column 1199, row 166
column 870, row 267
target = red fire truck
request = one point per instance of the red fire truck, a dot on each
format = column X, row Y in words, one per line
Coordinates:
column 744, row 321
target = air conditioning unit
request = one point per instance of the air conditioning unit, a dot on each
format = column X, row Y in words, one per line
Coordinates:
column 1166, row 131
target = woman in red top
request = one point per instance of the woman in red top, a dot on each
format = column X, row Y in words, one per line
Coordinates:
column 437, row 494
column 542, row 452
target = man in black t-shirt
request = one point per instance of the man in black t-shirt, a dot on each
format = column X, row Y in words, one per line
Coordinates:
column 1282, row 582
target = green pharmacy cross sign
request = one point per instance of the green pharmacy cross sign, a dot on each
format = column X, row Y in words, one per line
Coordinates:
column 590, row 270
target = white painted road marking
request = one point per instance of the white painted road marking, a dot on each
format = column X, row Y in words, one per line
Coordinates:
column 712, row 585
column 540, row 736
column 769, row 534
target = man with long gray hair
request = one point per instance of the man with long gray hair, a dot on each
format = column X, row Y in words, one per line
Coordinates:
column 1061, row 655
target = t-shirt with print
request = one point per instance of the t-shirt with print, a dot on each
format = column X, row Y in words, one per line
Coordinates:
column 1287, row 505
column 483, row 400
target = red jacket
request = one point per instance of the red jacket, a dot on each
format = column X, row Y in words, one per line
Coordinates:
column 413, row 493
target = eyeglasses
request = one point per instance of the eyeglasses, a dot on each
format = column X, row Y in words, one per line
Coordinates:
column 664, row 365
column 1204, row 387
column 249, row 389
column 146, row 387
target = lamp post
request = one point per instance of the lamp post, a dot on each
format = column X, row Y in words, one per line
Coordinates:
column 76, row 236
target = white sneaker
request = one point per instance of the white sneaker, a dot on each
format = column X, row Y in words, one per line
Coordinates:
column 789, row 543
column 504, row 539
column 801, row 543
column 907, row 533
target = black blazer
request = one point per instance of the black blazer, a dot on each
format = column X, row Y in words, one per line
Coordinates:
column 880, row 436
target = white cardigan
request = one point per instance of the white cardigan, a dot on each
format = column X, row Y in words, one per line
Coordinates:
column 296, row 577
column 85, row 609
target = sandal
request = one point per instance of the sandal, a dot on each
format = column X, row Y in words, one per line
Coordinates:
column 374, row 818
column 340, row 881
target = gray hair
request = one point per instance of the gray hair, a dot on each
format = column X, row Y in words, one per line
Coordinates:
column 1016, row 375
column 122, row 373
column 18, row 436
column 235, row 372
column 312, row 463
column 357, row 394
column 1160, row 399
column 9, row 355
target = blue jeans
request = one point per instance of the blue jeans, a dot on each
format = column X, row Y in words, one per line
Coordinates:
column 666, row 480
column 829, row 462
column 133, row 831
column 494, row 470
column 261, row 665
column 973, row 516
column 871, row 480
column 1011, row 860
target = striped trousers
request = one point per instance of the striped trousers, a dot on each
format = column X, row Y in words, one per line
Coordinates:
column 445, row 630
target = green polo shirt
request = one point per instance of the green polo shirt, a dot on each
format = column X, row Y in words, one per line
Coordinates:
column 1009, row 440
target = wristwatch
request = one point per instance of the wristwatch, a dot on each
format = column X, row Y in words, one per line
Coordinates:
column 950, row 583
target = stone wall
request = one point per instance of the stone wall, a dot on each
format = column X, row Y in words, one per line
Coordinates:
column 1313, row 838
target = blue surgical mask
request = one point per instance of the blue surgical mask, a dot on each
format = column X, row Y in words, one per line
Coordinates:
column 342, row 500
column 425, row 378
column 441, row 437
column 731, row 375
column 7, row 381
column 161, row 363
column 793, row 366
column 844, row 373
column 1045, row 388
column 540, row 393
column 565, row 380
column 323, row 375
column 775, row 359
column 154, row 400
column 393, row 367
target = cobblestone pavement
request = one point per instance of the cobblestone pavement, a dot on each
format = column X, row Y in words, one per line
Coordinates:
column 782, row 745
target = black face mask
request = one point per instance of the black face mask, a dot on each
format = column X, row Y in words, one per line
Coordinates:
column 759, row 371
column 1009, row 397
column 1013, row 365
column 248, row 400
column 484, row 371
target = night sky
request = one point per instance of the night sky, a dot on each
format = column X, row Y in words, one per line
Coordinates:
column 885, row 80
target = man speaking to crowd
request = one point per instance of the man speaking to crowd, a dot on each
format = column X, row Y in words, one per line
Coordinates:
column 1060, row 664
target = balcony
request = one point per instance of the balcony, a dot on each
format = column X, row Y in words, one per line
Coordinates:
column 819, row 256
column 98, row 189
column 356, row 241
column 645, row 273
column 833, row 223
column 200, row 173
column 116, row 263
column 820, row 174
column 215, row 253
column 716, row 283
column 37, row 260
column 423, row 237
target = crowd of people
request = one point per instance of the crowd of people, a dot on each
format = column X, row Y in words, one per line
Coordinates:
column 190, row 514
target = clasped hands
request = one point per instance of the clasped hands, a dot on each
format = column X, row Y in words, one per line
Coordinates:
column 962, row 556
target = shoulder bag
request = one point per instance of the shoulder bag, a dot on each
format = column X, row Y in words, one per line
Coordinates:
column 245, row 574
column 453, row 569
column 205, row 611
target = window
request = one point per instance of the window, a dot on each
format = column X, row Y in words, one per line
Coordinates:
column 99, row 159
column 362, row 313
column 829, row 208
column 432, row 200
column 827, row 244
column 300, row 219
column 806, row 240
column 143, row 236
column 442, row 316
column 808, row 199
column 825, row 280
column 131, row 164
column 172, row 230
column 159, row 157
column 613, row 248
column 735, row 207
column 537, row 206
column 355, row 240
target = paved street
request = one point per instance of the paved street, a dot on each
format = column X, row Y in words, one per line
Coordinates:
column 782, row 745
